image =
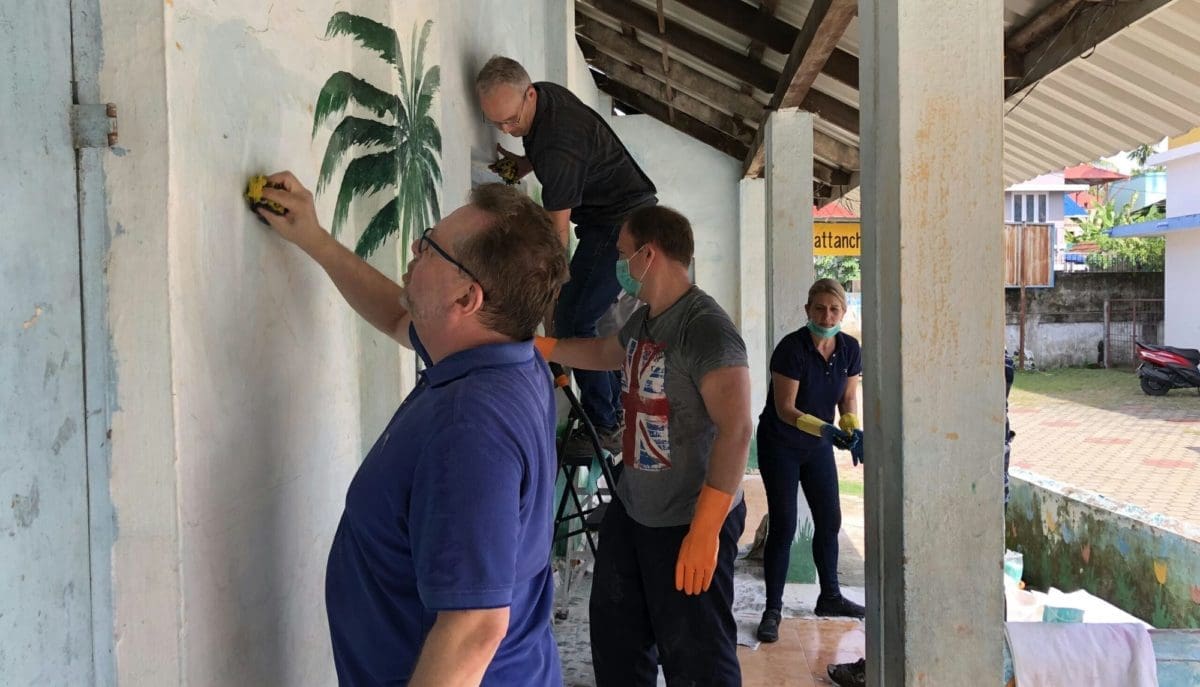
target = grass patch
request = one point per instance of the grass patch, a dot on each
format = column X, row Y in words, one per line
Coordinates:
column 850, row 488
column 1095, row 387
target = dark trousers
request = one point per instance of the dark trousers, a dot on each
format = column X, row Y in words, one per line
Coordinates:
column 815, row 472
column 583, row 300
column 638, row 619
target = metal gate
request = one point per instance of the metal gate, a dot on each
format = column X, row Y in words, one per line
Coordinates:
column 1129, row 320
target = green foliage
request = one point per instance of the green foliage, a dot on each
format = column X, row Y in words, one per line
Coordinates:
column 404, row 127
column 1135, row 254
column 840, row 268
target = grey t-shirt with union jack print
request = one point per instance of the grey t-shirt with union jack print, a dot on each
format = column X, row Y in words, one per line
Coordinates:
column 668, row 432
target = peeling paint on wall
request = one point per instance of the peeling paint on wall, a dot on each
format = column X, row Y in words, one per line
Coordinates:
column 25, row 506
column 1144, row 563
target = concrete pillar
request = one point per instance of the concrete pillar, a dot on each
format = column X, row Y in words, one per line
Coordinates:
column 933, row 330
column 789, row 259
column 789, row 157
column 560, row 40
column 752, row 252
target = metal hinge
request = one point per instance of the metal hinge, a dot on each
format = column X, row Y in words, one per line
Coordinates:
column 94, row 126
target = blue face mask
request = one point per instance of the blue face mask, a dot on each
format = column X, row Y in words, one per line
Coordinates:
column 824, row 332
column 628, row 282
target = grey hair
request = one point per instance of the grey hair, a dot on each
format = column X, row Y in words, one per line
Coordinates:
column 501, row 70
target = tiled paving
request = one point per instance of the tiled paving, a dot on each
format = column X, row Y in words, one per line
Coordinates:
column 806, row 644
column 1140, row 452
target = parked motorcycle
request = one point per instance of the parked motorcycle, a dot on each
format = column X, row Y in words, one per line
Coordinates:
column 1165, row 367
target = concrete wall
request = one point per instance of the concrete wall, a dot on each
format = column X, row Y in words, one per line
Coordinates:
column 1050, row 345
column 1063, row 324
column 1143, row 563
column 246, row 388
column 702, row 183
column 1183, row 255
column 1182, row 311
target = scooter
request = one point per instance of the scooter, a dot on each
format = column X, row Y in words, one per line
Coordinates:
column 1165, row 367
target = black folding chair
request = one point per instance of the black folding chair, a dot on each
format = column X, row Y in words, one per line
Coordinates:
column 581, row 520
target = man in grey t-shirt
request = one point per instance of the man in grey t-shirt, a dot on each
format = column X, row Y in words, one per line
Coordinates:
column 663, row 586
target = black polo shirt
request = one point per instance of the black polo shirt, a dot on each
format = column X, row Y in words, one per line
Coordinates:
column 822, row 383
column 581, row 163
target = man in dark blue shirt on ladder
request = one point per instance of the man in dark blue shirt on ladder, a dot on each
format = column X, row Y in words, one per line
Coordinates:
column 589, row 178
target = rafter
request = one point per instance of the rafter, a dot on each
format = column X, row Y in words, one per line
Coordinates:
column 682, row 122
column 682, row 102
column 634, row 53
column 826, row 180
column 1060, row 34
column 704, row 89
column 826, row 22
column 763, row 28
column 720, row 57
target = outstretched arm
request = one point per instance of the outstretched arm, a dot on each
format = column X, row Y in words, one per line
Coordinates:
column 372, row 295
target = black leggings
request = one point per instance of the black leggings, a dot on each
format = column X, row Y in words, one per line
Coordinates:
column 783, row 469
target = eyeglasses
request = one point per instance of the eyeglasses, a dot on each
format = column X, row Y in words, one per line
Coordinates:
column 427, row 240
column 514, row 121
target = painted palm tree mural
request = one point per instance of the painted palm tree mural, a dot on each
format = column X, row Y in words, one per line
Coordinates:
column 408, row 164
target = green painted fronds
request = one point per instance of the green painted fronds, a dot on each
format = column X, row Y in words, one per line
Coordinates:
column 409, row 164
column 342, row 88
column 369, row 33
column 382, row 225
column 364, row 177
column 353, row 131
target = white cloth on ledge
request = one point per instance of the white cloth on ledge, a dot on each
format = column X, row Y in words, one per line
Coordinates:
column 1076, row 654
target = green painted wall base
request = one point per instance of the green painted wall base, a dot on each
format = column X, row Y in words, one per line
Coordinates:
column 801, row 567
column 1143, row 563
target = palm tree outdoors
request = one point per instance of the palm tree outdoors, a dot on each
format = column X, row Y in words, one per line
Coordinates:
column 403, row 127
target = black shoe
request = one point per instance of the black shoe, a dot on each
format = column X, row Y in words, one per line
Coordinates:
column 768, row 629
column 838, row 606
column 579, row 449
column 848, row 674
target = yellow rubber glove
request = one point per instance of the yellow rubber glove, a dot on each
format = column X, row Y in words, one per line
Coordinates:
column 811, row 424
column 849, row 422
column 698, row 553
column 545, row 345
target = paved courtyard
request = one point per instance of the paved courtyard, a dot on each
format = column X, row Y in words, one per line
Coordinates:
column 1096, row 430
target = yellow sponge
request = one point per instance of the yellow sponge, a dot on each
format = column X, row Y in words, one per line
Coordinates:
column 506, row 168
column 254, row 196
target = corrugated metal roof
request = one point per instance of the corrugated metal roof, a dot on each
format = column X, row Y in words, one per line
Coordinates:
column 1138, row 86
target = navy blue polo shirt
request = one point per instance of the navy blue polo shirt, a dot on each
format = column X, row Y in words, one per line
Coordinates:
column 452, row 509
column 822, row 384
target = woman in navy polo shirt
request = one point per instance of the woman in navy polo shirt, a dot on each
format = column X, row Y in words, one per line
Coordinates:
column 813, row 370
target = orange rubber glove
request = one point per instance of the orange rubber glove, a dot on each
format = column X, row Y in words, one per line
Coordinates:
column 698, row 552
column 545, row 345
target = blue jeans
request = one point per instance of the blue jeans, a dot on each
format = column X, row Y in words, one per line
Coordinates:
column 584, row 299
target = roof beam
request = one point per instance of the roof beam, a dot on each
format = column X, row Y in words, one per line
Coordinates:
column 683, row 122
column 826, row 23
column 768, row 8
column 682, row 102
column 825, row 179
column 726, row 59
column 1080, row 28
column 706, row 90
column 633, row 52
column 774, row 33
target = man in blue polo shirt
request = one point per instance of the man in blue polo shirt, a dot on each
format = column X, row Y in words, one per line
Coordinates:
column 439, row 572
